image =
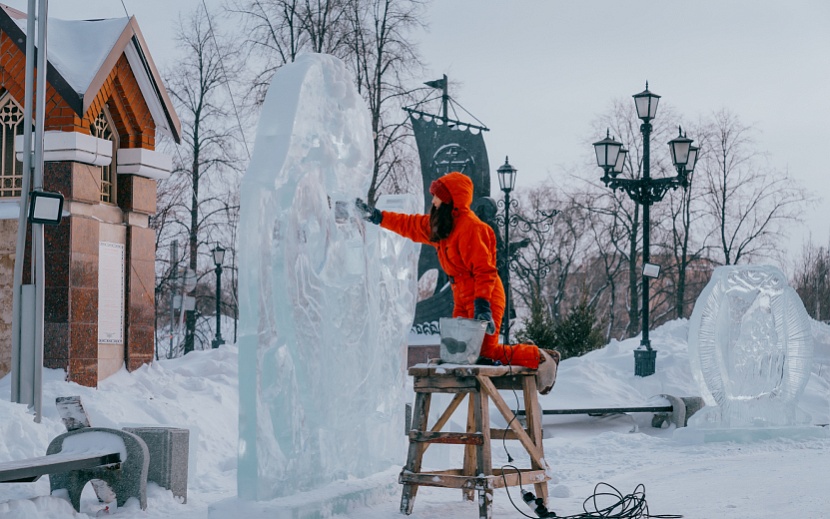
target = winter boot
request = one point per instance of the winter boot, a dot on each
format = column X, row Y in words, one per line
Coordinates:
column 546, row 373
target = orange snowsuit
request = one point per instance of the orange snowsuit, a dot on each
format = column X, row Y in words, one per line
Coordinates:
column 468, row 256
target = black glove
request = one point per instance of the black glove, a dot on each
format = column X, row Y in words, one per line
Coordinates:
column 367, row 212
column 483, row 313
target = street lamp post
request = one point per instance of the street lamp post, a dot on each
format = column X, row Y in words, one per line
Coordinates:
column 218, row 259
column 507, row 180
column 611, row 157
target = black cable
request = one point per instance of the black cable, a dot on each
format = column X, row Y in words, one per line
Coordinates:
column 629, row 506
column 521, row 489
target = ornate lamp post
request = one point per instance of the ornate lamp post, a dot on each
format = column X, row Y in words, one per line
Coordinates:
column 218, row 259
column 645, row 191
column 507, row 179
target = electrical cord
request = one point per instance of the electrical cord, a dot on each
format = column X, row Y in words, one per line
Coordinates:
column 628, row 506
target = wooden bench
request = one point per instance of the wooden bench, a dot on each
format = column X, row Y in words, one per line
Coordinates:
column 125, row 471
column 30, row 470
column 678, row 412
column 480, row 384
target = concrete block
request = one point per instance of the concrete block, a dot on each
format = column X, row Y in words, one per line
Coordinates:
column 169, row 449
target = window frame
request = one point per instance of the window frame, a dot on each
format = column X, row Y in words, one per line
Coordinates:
column 109, row 183
column 15, row 170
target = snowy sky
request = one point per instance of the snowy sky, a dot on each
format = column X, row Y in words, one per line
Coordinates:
column 537, row 72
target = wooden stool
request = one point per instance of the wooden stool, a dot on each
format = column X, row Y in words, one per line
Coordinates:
column 480, row 383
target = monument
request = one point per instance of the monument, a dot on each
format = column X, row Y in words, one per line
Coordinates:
column 326, row 302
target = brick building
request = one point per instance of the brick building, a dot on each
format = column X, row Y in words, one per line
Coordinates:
column 105, row 106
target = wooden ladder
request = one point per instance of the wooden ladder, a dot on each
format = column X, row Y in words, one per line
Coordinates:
column 479, row 384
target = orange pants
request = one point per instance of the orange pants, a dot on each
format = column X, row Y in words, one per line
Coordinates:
column 526, row 355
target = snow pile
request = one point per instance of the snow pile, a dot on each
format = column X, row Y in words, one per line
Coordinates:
column 764, row 479
column 198, row 392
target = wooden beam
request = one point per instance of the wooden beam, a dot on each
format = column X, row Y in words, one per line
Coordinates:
column 508, row 415
column 453, row 438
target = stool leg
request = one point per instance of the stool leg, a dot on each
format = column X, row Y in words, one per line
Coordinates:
column 483, row 454
column 534, row 427
column 485, row 503
column 413, row 459
column 470, row 450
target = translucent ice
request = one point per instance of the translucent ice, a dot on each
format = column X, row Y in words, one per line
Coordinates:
column 326, row 299
column 750, row 347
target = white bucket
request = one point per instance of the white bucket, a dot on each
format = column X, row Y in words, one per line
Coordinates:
column 461, row 339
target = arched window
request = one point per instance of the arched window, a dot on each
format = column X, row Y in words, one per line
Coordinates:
column 102, row 128
column 11, row 124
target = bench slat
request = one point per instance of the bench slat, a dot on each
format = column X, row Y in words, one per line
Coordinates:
column 28, row 470
column 608, row 410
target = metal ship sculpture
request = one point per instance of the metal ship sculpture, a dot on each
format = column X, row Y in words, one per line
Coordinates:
column 445, row 145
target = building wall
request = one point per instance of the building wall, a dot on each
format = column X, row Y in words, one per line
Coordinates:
column 72, row 261
column 8, row 239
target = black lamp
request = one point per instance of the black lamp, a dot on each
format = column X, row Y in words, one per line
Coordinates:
column 646, row 103
column 507, row 176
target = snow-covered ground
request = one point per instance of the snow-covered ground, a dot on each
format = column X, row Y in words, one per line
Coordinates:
column 762, row 479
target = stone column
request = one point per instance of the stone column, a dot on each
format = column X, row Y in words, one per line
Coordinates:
column 71, row 318
column 137, row 198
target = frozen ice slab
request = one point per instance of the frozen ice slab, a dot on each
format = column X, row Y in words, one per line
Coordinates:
column 751, row 350
column 326, row 299
column 339, row 498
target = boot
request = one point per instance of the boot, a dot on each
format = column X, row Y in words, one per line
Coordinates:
column 546, row 373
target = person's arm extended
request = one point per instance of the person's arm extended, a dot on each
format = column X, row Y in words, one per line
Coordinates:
column 412, row 226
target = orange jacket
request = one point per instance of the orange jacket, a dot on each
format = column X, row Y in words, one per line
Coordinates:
column 467, row 255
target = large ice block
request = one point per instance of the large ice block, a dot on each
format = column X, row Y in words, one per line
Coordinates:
column 751, row 349
column 326, row 299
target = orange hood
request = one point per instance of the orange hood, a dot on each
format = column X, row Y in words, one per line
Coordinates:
column 460, row 187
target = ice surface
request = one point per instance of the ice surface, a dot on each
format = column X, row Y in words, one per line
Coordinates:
column 326, row 299
column 750, row 348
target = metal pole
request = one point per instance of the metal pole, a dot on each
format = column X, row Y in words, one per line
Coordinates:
column 174, row 261
column 507, row 267
column 17, row 367
column 646, row 129
column 234, row 294
column 444, row 100
column 644, row 356
column 37, row 229
column 218, row 341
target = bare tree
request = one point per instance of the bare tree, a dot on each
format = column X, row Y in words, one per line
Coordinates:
column 374, row 38
column 554, row 245
column 207, row 166
column 279, row 30
column 168, row 224
column 683, row 248
column 749, row 202
column 605, row 266
column 812, row 280
column 385, row 58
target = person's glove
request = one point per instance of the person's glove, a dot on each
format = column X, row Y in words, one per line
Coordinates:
column 483, row 313
column 367, row 212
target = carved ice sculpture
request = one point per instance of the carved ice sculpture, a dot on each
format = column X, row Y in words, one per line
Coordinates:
column 750, row 348
column 326, row 300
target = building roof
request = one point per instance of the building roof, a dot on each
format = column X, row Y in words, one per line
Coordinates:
column 82, row 53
